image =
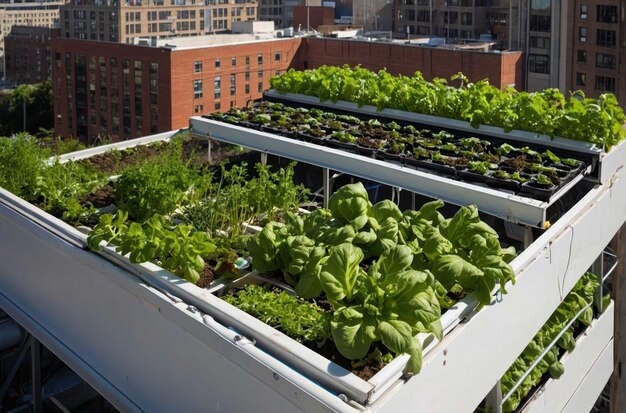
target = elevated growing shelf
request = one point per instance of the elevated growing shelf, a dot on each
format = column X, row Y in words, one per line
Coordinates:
column 149, row 341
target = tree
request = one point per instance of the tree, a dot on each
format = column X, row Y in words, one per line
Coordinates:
column 26, row 108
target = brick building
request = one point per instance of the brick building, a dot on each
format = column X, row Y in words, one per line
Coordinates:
column 128, row 91
column 41, row 13
column 27, row 54
column 281, row 11
column 128, row 21
column 502, row 69
column 597, row 49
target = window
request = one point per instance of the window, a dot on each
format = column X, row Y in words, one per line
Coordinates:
column 233, row 85
column 581, row 56
column 197, row 89
column 466, row 19
column 583, row 11
column 233, row 62
column 218, row 63
column 217, row 84
column 606, row 38
column 198, row 108
column 260, row 74
column 606, row 14
column 259, row 59
column 539, row 64
column 606, row 84
column 197, row 67
column 277, row 57
column 605, row 61
column 540, row 42
column 582, row 34
column 451, row 17
column 423, row 16
column 260, row 87
column 218, row 105
column 581, row 79
column 247, row 89
column 540, row 23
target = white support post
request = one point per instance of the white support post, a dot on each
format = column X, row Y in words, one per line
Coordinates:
column 326, row 184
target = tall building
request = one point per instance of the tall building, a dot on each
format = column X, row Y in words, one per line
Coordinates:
column 461, row 19
column 125, row 91
column 40, row 13
column 596, row 49
column 375, row 15
column 281, row 11
column 27, row 54
column 128, row 22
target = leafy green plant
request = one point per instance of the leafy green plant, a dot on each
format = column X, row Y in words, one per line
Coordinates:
column 582, row 294
column 300, row 320
column 547, row 112
column 389, row 303
column 237, row 198
column 22, row 163
column 543, row 180
column 179, row 249
column 360, row 255
column 344, row 137
column 157, row 187
column 479, row 167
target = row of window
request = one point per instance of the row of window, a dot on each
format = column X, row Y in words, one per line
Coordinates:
column 198, row 64
column 198, row 89
column 602, row 83
column 424, row 16
column 604, row 38
column 604, row 13
column 603, row 60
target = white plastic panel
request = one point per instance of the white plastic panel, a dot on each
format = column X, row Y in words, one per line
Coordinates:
column 501, row 204
column 556, row 394
column 130, row 143
column 476, row 354
column 584, row 397
column 138, row 348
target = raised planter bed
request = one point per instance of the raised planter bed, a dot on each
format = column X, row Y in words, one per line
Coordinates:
column 607, row 162
column 466, row 159
column 208, row 335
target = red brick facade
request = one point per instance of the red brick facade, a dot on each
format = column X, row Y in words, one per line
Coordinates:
column 27, row 54
column 502, row 69
column 125, row 91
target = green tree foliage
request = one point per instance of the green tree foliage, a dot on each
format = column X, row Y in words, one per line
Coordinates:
column 39, row 109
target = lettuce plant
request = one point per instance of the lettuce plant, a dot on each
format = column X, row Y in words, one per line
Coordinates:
column 389, row 303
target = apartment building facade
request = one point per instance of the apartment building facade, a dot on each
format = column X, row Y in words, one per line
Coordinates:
column 27, row 54
column 121, row 21
column 125, row 91
column 281, row 11
column 461, row 19
column 40, row 13
column 597, row 48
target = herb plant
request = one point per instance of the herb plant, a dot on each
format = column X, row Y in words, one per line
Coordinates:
column 299, row 319
column 179, row 249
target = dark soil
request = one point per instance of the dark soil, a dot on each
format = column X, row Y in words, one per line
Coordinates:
column 206, row 276
column 518, row 163
column 114, row 161
column 100, row 198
